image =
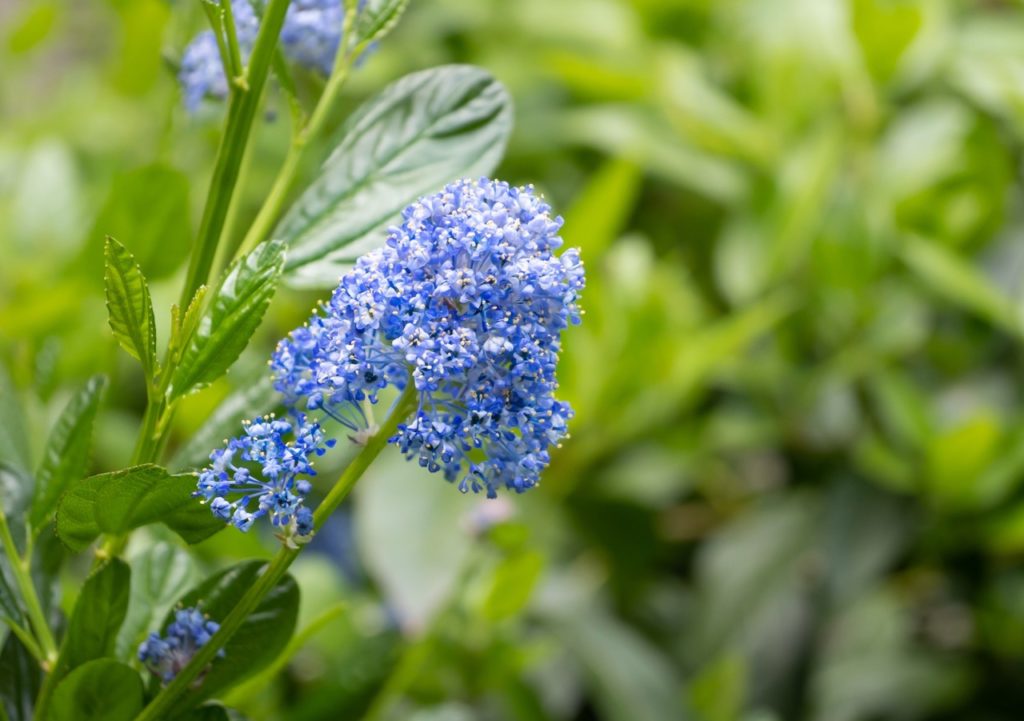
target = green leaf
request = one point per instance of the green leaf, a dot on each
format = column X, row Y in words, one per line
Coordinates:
column 157, row 575
column 259, row 640
column 149, row 208
column 20, row 678
column 513, row 585
column 601, row 211
column 14, row 448
column 209, row 712
column 423, row 131
column 97, row 617
column 67, row 450
column 129, row 306
column 375, row 19
column 122, row 501
column 234, row 314
column 100, row 690
column 953, row 278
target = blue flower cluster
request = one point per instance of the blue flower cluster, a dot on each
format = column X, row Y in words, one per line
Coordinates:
column 310, row 39
column 166, row 656
column 467, row 300
column 281, row 452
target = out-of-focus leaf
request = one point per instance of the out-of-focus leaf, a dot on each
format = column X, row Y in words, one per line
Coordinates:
column 375, row 19
column 129, row 307
column 717, row 692
column 397, row 501
column 951, row 277
column 869, row 667
column 67, row 450
column 100, row 690
column 423, row 131
column 122, row 501
column 234, row 313
column 247, row 402
column 630, row 680
column 207, row 712
column 14, row 448
column 600, row 212
column 637, row 134
column 885, row 30
column 956, row 459
column 148, row 210
column 20, row 679
column 261, row 637
column 513, row 584
column 33, row 27
column 97, row 617
column 158, row 574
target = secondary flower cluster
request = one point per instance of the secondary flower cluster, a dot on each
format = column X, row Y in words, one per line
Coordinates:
column 282, row 451
column 310, row 38
column 166, row 656
column 466, row 300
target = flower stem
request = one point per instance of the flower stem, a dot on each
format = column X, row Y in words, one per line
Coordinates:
column 242, row 108
column 278, row 566
column 271, row 209
column 20, row 568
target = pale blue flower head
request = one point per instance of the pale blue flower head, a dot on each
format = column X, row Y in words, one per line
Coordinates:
column 467, row 300
column 167, row 655
column 310, row 39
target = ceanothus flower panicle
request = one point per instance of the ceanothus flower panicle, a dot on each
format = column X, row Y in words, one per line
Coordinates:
column 281, row 452
column 310, row 38
column 467, row 301
column 167, row 655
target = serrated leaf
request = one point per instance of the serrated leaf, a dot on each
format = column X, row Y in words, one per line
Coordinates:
column 101, row 690
column 158, row 574
column 129, row 306
column 258, row 641
column 232, row 317
column 67, row 450
column 122, row 501
column 97, row 617
column 423, row 131
column 375, row 19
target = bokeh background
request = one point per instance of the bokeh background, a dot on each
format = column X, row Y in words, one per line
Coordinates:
column 795, row 485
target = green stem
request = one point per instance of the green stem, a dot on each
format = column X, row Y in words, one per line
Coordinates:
column 20, row 569
column 242, row 108
column 278, row 566
column 271, row 209
column 26, row 640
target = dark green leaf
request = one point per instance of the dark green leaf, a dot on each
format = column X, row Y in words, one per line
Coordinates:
column 260, row 638
column 67, row 450
column 14, row 448
column 425, row 130
column 158, row 574
column 248, row 401
column 122, row 501
column 20, row 679
column 129, row 307
column 234, row 313
column 100, row 690
column 97, row 617
column 210, row 712
column 149, row 209
column 375, row 19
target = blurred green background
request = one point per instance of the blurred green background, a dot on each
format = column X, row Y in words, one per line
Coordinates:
column 795, row 484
